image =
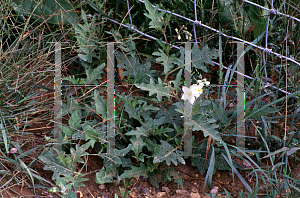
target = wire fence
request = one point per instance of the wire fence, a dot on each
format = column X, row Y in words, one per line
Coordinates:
column 195, row 22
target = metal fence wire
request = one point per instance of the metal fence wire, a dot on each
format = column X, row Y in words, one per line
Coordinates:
column 195, row 22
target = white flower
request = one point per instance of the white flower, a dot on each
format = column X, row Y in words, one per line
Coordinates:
column 194, row 91
column 197, row 90
column 188, row 94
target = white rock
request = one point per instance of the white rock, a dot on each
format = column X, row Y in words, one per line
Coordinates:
column 161, row 195
column 195, row 195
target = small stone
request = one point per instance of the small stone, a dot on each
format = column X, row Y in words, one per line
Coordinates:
column 195, row 195
column 181, row 192
column 214, row 191
column 180, row 196
column 165, row 189
column 194, row 190
column 132, row 194
column 13, row 150
column 196, row 175
column 161, row 195
column 102, row 187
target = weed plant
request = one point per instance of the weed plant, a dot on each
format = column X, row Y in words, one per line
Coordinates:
column 154, row 127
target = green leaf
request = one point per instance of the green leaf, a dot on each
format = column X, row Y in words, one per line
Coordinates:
column 60, row 182
column 166, row 152
column 157, row 20
column 136, row 172
column 258, row 16
column 167, row 61
column 154, row 179
column 70, row 182
column 207, row 128
column 170, row 114
column 92, row 135
column 78, row 153
column 101, row 104
column 104, row 176
column 75, row 120
column 139, row 131
column 53, row 164
column 71, row 79
column 97, row 134
column 141, row 72
column 163, row 131
column 94, row 74
column 160, row 89
column 137, row 144
column 199, row 159
column 165, row 176
column 177, row 82
column 174, row 174
column 124, row 151
column 206, row 55
column 67, row 130
column 155, row 122
column 71, row 106
column 86, row 38
column 126, row 162
column 131, row 110
column 112, row 157
column 129, row 46
column 146, row 110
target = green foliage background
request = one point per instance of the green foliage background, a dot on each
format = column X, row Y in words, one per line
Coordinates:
column 150, row 115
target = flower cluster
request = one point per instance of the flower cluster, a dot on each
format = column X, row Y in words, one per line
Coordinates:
column 194, row 91
column 188, row 35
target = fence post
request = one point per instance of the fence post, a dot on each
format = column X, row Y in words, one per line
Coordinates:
column 188, row 106
column 240, row 139
column 57, row 96
column 110, row 98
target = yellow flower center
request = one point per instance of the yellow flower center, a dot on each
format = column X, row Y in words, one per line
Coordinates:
column 190, row 93
column 200, row 90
